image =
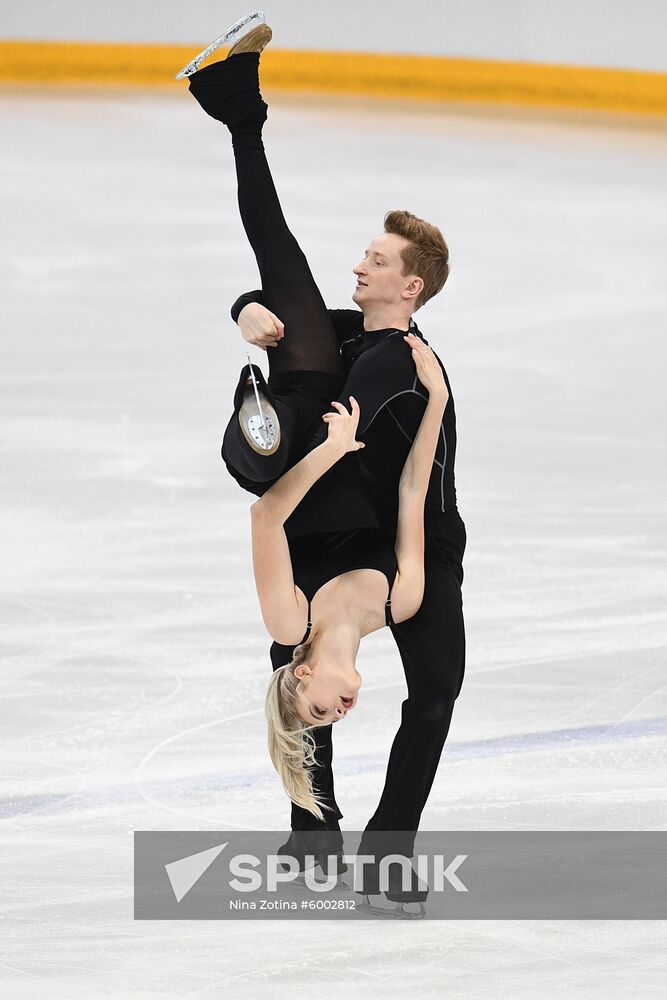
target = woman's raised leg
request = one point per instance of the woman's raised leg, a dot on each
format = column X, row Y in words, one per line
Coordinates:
column 229, row 91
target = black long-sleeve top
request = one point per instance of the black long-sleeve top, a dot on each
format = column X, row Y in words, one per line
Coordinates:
column 381, row 375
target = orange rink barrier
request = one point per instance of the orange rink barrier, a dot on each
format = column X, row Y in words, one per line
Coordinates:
column 403, row 76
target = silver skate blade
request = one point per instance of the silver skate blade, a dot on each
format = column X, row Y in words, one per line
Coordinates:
column 255, row 386
column 231, row 35
column 403, row 914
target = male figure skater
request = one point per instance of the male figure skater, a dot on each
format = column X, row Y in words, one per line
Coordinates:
column 401, row 269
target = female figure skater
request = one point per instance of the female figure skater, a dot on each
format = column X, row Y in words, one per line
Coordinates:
column 319, row 552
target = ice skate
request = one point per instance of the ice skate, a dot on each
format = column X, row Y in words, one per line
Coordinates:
column 257, row 418
column 257, row 35
column 253, row 444
column 395, row 894
column 316, row 848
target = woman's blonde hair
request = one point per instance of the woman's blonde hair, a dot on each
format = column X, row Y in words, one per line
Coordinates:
column 291, row 745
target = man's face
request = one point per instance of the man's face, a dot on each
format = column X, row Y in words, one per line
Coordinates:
column 380, row 280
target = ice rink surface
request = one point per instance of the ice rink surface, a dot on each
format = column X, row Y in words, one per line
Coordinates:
column 134, row 658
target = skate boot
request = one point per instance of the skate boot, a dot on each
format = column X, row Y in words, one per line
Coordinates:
column 316, row 848
column 228, row 90
column 250, row 30
column 254, row 446
column 395, row 893
column 255, row 41
column 417, row 893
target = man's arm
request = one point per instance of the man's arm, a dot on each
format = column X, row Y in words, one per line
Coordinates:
column 346, row 322
column 243, row 300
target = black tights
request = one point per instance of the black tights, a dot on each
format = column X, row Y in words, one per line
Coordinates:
column 288, row 286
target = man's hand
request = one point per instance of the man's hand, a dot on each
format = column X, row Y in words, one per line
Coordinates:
column 259, row 326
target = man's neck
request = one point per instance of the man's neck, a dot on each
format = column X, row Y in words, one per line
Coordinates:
column 385, row 319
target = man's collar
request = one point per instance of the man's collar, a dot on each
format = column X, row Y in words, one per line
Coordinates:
column 389, row 329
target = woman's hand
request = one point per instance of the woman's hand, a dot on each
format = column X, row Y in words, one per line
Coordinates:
column 428, row 368
column 259, row 326
column 343, row 427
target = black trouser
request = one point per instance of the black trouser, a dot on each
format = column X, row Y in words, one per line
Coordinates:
column 432, row 648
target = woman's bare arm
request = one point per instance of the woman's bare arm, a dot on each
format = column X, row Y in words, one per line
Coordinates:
column 282, row 611
column 408, row 591
column 272, row 563
column 287, row 493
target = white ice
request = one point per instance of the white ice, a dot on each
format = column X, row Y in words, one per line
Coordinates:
column 135, row 661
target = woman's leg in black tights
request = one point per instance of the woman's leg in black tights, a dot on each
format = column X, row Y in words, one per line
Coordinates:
column 229, row 92
column 288, row 287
